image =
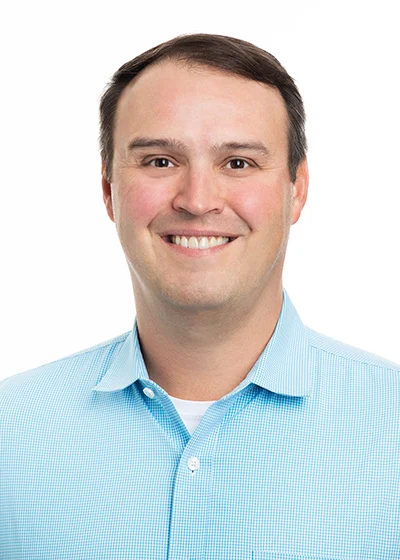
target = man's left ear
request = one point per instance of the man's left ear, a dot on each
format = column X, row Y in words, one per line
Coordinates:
column 300, row 190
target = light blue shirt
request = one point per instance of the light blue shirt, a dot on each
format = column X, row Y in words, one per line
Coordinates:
column 300, row 461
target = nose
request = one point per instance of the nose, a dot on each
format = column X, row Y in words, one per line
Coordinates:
column 198, row 193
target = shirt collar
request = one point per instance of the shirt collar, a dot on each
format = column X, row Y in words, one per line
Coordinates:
column 283, row 366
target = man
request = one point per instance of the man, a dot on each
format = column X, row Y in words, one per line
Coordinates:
column 220, row 427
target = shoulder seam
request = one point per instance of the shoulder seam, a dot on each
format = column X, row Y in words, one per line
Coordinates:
column 117, row 340
column 348, row 358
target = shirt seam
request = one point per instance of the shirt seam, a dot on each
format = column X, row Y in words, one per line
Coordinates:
column 117, row 340
column 354, row 360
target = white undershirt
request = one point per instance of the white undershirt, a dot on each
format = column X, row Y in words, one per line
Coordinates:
column 191, row 412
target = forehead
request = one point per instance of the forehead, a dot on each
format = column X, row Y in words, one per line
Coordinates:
column 198, row 100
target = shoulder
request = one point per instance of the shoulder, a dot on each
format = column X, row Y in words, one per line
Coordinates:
column 330, row 347
column 83, row 368
column 352, row 372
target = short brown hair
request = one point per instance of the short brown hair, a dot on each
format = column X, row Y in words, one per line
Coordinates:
column 228, row 54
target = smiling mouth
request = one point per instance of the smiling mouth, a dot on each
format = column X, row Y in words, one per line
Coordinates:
column 202, row 242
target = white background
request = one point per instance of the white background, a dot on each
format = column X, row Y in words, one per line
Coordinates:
column 65, row 283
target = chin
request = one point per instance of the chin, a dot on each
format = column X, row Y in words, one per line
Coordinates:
column 196, row 299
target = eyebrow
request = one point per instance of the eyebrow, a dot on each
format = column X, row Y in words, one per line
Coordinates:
column 144, row 142
column 173, row 144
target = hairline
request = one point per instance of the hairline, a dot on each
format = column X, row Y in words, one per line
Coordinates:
column 182, row 60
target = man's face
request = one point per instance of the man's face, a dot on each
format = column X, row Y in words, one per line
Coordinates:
column 200, row 154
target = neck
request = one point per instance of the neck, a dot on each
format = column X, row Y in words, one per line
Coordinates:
column 204, row 355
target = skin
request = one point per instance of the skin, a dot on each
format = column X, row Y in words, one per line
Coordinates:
column 204, row 317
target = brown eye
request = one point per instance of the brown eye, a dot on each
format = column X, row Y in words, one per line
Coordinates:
column 238, row 164
column 160, row 162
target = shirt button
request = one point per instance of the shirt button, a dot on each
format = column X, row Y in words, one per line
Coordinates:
column 148, row 392
column 193, row 463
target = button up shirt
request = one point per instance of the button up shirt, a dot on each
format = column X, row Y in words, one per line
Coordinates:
column 299, row 461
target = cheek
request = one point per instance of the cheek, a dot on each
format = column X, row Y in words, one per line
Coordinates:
column 260, row 205
column 140, row 203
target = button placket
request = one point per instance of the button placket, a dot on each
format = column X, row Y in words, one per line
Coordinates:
column 193, row 464
column 149, row 392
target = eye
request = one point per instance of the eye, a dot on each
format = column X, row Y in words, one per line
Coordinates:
column 160, row 162
column 238, row 163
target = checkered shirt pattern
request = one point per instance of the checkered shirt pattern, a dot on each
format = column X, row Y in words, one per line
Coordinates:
column 300, row 461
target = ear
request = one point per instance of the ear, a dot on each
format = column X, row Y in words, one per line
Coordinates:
column 107, row 195
column 300, row 190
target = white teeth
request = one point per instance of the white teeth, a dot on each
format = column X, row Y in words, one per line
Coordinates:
column 193, row 243
column 198, row 242
column 203, row 244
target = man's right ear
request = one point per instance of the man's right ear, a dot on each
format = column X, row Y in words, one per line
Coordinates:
column 107, row 195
